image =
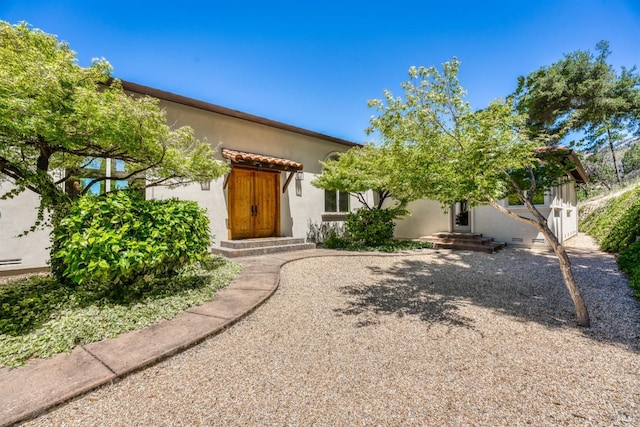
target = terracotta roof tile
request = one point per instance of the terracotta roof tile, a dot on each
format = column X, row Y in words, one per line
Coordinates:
column 240, row 157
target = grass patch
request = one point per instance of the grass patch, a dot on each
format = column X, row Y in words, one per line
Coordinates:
column 390, row 246
column 39, row 317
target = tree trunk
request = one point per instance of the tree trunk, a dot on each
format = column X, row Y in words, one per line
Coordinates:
column 540, row 223
column 567, row 275
column 613, row 155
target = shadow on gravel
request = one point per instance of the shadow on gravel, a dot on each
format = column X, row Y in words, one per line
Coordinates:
column 528, row 289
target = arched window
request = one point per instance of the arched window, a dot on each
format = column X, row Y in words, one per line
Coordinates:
column 335, row 201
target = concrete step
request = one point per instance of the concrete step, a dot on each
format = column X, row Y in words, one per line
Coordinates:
column 261, row 250
column 261, row 242
column 464, row 241
column 480, row 242
column 457, row 236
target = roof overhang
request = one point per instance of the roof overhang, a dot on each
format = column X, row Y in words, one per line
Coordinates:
column 260, row 161
column 569, row 157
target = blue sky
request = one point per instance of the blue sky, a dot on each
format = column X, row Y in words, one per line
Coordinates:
column 315, row 64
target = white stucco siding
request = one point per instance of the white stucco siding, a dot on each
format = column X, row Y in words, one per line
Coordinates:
column 426, row 217
column 560, row 210
column 565, row 207
column 492, row 223
column 223, row 131
column 16, row 216
column 299, row 204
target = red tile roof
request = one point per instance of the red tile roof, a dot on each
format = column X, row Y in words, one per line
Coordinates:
column 251, row 159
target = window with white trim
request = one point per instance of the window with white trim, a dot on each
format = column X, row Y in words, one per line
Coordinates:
column 335, row 201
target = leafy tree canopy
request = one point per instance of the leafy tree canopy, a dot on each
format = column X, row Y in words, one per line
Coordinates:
column 361, row 169
column 56, row 117
column 459, row 154
column 599, row 169
column 580, row 92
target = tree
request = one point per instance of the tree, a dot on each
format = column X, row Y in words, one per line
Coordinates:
column 57, row 117
column 582, row 92
column 476, row 156
column 361, row 169
column 376, row 169
column 601, row 172
column 631, row 159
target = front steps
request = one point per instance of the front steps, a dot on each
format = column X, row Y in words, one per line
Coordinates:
column 263, row 246
column 465, row 241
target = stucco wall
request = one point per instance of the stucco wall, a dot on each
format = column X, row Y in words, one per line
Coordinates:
column 300, row 203
column 16, row 216
column 503, row 228
column 426, row 217
column 560, row 209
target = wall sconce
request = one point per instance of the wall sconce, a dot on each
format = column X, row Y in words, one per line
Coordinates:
column 299, row 176
column 205, row 185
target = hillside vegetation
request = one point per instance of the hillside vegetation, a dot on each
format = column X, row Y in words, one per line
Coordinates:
column 615, row 224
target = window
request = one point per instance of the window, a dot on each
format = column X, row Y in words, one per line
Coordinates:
column 335, row 201
column 113, row 169
column 538, row 198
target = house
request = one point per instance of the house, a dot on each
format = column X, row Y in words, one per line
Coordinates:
column 559, row 206
column 268, row 192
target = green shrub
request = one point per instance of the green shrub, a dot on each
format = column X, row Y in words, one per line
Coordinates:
column 629, row 262
column 335, row 241
column 122, row 240
column 371, row 227
column 616, row 225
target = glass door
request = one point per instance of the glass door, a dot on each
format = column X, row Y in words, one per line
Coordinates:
column 461, row 217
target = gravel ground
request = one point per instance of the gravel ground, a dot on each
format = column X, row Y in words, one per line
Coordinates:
column 427, row 338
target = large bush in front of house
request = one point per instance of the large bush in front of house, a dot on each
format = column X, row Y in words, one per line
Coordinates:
column 371, row 227
column 121, row 240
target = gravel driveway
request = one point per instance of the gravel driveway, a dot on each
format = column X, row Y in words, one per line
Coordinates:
column 429, row 338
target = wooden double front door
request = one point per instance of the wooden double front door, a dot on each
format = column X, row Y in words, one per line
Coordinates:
column 254, row 204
